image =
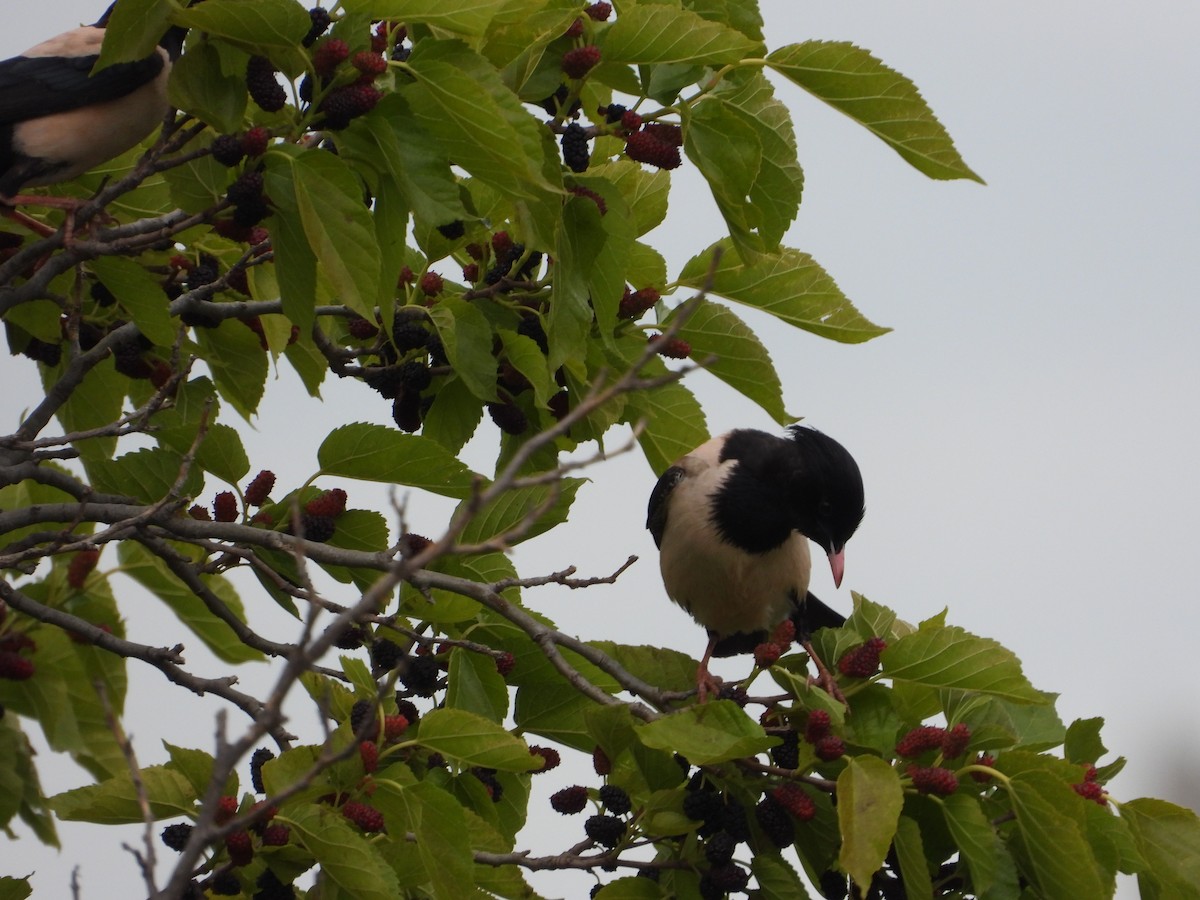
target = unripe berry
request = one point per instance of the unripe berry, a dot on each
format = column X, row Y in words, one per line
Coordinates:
column 328, row 55
column 240, row 847
column 645, row 147
column 766, row 654
column 369, row 63
column 259, row 489
column 225, row 508
column 578, row 61
column 255, row 141
column 933, row 780
column 920, row 740
column 82, row 564
column 955, row 743
column 829, row 748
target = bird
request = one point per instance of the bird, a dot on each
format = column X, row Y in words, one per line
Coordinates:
column 732, row 520
column 58, row 120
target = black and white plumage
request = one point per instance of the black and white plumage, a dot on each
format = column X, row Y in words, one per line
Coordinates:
column 732, row 521
column 57, row 120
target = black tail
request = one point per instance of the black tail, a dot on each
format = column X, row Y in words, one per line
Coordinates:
column 813, row 614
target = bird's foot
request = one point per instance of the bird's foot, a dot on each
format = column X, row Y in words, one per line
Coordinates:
column 707, row 685
column 824, row 679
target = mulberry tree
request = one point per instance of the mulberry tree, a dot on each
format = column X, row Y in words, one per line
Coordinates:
column 449, row 204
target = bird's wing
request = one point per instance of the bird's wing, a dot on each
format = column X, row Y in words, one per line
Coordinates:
column 36, row 86
column 812, row 614
column 656, row 515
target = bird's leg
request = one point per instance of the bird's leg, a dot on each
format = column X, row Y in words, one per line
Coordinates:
column 706, row 682
column 29, row 222
column 70, row 205
column 825, row 679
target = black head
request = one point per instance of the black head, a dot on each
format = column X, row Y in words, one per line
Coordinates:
column 827, row 490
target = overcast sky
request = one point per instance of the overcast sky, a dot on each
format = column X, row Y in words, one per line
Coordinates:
column 1028, row 433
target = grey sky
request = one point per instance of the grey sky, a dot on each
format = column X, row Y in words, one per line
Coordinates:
column 1028, row 433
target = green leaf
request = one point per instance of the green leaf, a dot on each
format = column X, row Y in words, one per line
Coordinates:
column 339, row 227
column 469, row 17
column 778, row 181
column 295, row 262
column 399, row 149
column 776, row 879
column 789, row 285
column 1168, row 838
column 198, row 184
column 115, row 800
column 660, row 34
column 196, row 766
column 708, row 734
column 1083, row 744
column 993, row 873
column 745, row 17
column 1058, row 858
column 201, row 87
column 554, row 710
column 467, row 338
column 147, row 475
column 133, row 31
column 741, row 361
column 667, row 669
column 346, row 857
column 950, row 657
column 645, row 192
column 527, row 358
column 869, row 802
column 14, row 888
column 518, row 508
column 853, row 81
column 629, row 888
column 440, row 825
column 673, row 416
column 237, row 362
column 474, row 741
column 152, row 573
column 221, row 452
column 139, row 294
column 728, row 153
column 96, row 401
column 454, row 416
column 910, row 851
column 456, row 92
column 257, row 26
column 378, row 453
column 475, row 686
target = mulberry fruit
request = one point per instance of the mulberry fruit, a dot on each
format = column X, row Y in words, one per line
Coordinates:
column 225, row 507
column 599, row 11
column 920, row 740
column 82, row 564
column 863, row 661
column 259, row 488
column 645, row 147
column 505, row 663
column 227, row 149
column 509, row 418
column 955, row 743
column 933, row 780
column 255, row 141
column 240, row 847
column 362, row 713
column 264, row 88
column 176, row 836
column 320, row 22
column 257, row 760
column 368, row 752
column 550, row 759
column 317, row 529
column 615, row 799
column 394, row 727
column 569, row 800
column 368, row 818
column 331, row 503
column 775, row 822
column 575, row 147
column 795, row 800
column 578, row 61
column 328, row 55
column 719, row 848
column 605, row 830
column 422, row 676
column 829, row 748
column 385, row 654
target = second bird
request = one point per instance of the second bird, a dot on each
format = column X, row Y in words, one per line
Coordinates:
column 732, row 521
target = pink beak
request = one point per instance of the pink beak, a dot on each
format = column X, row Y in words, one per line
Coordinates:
column 837, row 563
